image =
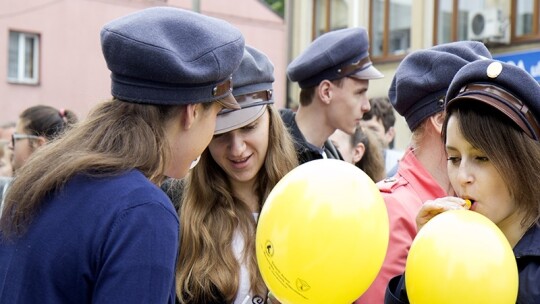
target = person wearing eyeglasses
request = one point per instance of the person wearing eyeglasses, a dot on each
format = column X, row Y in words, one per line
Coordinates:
column 36, row 126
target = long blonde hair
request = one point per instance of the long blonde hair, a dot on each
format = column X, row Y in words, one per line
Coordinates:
column 115, row 137
column 210, row 214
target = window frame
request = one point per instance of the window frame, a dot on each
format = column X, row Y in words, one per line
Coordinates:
column 453, row 27
column 385, row 57
column 535, row 36
column 326, row 14
column 21, row 64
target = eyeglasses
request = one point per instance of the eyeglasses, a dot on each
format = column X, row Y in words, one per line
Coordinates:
column 15, row 137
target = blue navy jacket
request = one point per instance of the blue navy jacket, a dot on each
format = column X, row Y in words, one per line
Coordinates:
column 527, row 253
column 99, row 240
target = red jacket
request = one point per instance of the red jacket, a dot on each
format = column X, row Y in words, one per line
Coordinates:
column 403, row 195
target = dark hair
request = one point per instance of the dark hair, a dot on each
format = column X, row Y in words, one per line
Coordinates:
column 515, row 155
column 382, row 109
column 47, row 121
column 306, row 95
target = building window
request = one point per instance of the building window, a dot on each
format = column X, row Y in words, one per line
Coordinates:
column 451, row 26
column 488, row 21
column 390, row 31
column 329, row 15
column 23, row 59
column 527, row 19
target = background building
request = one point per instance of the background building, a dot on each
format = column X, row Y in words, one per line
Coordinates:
column 509, row 28
column 51, row 52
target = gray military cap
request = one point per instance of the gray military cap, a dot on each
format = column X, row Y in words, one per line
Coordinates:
column 422, row 78
column 171, row 56
column 252, row 89
column 505, row 87
column 334, row 55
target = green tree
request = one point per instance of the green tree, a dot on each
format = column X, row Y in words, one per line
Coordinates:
column 277, row 6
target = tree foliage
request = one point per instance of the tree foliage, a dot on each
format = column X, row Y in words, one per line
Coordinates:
column 277, row 6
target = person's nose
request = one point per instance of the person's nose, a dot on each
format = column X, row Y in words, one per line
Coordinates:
column 465, row 174
column 366, row 106
column 237, row 145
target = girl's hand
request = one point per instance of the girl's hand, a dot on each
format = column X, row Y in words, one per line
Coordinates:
column 440, row 205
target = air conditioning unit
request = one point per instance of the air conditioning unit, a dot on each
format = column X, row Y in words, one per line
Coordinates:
column 487, row 24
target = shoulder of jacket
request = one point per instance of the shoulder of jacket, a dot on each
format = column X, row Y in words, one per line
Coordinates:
column 332, row 151
column 390, row 184
column 286, row 114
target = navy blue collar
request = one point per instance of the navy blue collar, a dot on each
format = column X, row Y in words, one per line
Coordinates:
column 529, row 244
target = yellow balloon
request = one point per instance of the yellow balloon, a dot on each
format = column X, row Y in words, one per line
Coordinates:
column 461, row 256
column 322, row 234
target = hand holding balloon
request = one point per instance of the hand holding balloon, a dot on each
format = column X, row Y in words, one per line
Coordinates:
column 461, row 256
column 434, row 207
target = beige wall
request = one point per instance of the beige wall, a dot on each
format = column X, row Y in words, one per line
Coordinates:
column 73, row 73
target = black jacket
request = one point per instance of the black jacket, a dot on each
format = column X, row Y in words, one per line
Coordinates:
column 304, row 150
column 527, row 253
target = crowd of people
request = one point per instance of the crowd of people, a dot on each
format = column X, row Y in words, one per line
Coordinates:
column 154, row 196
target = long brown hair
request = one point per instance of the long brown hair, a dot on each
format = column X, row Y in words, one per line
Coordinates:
column 210, row 214
column 115, row 137
column 515, row 156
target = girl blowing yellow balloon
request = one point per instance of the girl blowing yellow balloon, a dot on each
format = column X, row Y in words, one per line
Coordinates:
column 492, row 140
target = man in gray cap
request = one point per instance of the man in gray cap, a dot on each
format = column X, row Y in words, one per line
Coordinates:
column 85, row 219
column 417, row 92
column 333, row 74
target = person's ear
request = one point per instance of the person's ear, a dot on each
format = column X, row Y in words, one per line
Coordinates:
column 358, row 152
column 389, row 135
column 40, row 141
column 437, row 121
column 324, row 91
column 189, row 114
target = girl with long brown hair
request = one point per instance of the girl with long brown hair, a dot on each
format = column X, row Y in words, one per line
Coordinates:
column 250, row 152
